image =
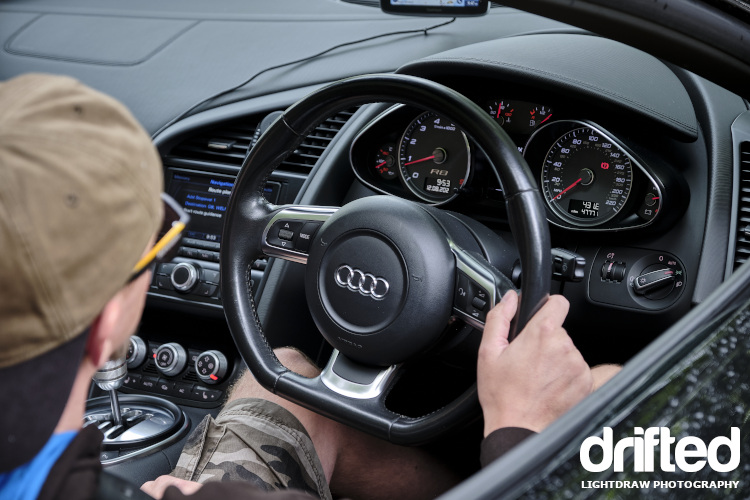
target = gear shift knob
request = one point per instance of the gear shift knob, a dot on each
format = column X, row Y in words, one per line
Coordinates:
column 110, row 378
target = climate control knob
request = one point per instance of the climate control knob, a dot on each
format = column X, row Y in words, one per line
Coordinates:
column 211, row 367
column 171, row 359
column 137, row 351
column 184, row 276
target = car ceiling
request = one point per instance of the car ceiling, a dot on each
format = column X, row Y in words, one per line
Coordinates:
column 163, row 58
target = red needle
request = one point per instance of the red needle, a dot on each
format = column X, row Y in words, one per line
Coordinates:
column 380, row 164
column 548, row 117
column 568, row 188
column 423, row 159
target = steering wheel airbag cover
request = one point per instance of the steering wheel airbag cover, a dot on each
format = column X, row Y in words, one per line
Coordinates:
column 392, row 241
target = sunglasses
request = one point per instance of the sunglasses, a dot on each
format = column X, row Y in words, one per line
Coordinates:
column 173, row 227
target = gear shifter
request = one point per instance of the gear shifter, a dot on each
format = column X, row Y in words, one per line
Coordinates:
column 110, row 378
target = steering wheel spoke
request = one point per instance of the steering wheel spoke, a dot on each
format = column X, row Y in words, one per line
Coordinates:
column 291, row 230
column 354, row 380
column 478, row 288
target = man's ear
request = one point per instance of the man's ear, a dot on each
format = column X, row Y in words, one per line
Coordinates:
column 101, row 341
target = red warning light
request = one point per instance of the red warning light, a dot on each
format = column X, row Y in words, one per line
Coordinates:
column 213, row 377
column 605, row 165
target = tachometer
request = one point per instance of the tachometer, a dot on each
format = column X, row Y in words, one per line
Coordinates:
column 586, row 178
column 434, row 158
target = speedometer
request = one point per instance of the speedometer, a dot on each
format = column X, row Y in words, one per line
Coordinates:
column 586, row 178
column 434, row 158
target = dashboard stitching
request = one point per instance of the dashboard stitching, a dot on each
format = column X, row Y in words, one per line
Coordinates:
column 644, row 107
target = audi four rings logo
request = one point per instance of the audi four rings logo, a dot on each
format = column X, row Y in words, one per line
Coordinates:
column 364, row 283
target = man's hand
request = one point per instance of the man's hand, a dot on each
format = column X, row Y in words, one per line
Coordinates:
column 538, row 377
column 156, row 488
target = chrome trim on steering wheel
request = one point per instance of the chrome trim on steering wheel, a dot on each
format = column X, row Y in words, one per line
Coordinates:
column 476, row 271
column 298, row 213
column 351, row 389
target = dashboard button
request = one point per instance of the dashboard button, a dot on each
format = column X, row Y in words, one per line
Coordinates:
column 205, row 394
column 148, row 383
column 183, row 390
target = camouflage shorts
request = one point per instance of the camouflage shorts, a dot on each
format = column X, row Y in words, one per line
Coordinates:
column 257, row 441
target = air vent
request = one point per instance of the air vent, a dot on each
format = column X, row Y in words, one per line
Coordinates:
column 308, row 152
column 742, row 248
column 229, row 143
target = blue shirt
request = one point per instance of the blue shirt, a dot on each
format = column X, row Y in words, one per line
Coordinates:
column 25, row 482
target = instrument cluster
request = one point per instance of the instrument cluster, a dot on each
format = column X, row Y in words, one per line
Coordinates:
column 589, row 178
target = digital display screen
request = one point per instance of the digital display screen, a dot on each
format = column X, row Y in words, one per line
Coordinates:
column 205, row 198
column 584, row 209
column 437, row 185
column 436, row 7
column 438, row 3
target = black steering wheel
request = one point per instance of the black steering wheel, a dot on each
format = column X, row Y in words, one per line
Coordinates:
column 384, row 276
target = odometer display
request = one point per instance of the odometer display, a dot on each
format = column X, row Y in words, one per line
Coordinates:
column 434, row 158
column 586, row 178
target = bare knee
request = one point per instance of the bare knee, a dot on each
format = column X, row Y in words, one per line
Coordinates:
column 247, row 387
column 296, row 361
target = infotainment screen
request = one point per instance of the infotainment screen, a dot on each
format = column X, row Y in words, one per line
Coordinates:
column 204, row 197
column 436, row 7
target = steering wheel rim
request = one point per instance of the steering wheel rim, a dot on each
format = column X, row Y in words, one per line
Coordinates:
column 249, row 214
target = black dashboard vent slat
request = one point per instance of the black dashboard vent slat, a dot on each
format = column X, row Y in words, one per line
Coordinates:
column 229, row 143
column 312, row 148
column 226, row 145
column 742, row 242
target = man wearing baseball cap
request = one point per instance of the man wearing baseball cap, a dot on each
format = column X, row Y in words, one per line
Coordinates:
column 80, row 186
column 81, row 210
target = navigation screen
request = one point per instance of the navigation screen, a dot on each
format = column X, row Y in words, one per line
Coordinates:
column 436, row 7
column 439, row 3
column 205, row 198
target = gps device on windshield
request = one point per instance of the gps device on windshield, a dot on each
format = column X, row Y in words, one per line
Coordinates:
column 452, row 8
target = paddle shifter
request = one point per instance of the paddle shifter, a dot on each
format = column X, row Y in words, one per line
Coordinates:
column 109, row 378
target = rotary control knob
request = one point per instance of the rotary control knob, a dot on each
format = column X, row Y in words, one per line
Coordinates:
column 211, row 367
column 170, row 359
column 184, row 276
column 137, row 351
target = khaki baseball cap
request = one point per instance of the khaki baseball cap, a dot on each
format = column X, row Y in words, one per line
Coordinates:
column 79, row 201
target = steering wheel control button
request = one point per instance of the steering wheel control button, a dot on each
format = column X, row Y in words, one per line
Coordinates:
column 637, row 278
column 170, row 359
column 306, row 235
column 184, row 276
column 211, row 367
column 137, row 352
column 461, row 299
column 283, row 233
column 478, row 303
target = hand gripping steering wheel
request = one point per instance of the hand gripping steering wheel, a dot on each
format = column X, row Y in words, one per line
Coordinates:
column 383, row 274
